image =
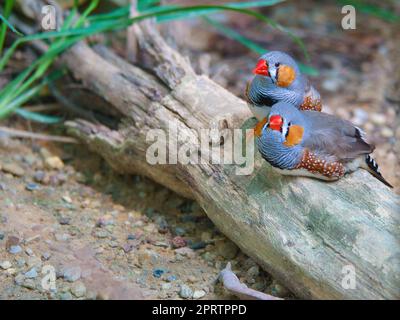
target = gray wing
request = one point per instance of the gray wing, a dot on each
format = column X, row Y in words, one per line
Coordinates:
column 334, row 138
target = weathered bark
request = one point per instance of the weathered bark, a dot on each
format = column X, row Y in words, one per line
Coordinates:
column 303, row 231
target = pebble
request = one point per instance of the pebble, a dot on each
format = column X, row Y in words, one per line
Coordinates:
column 131, row 237
column 66, row 296
column 40, row 177
column 253, row 272
column 157, row 273
column 198, row 294
column 72, row 274
column 15, row 249
column 64, row 221
column 2, row 235
column 198, row 245
column 29, row 284
column 386, row 132
column 12, row 271
column 78, row 289
column 32, row 186
column 19, row 279
column 34, row 262
column 185, row 251
column 29, row 251
column 62, row 236
column 378, row 118
column 5, row 265
column 14, row 169
column 31, row 274
column 20, row 262
column 171, row 278
column 278, row 290
column 101, row 234
column 227, row 249
column 166, row 286
column 54, row 162
column 360, row 117
column 46, row 256
column 185, row 292
column 178, row 242
column 180, row 231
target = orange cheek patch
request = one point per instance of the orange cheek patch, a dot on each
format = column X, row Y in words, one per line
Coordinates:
column 294, row 136
column 259, row 126
column 286, row 76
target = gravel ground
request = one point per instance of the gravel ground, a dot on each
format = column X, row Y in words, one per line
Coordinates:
column 106, row 236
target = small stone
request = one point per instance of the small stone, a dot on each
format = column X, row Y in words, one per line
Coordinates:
column 101, row 234
column 11, row 271
column 64, row 221
column 29, row 251
column 180, row 231
column 31, row 274
column 62, row 236
column 253, row 272
column 387, row 132
column 54, row 162
column 131, row 237
column 2, row 235
column 78, row 289
column 14, row 169
column 19, row 279
column 227, row 249
column 34, row 262
column 72, row 274
column 166, row 286
column 185, row 251
column 192, row 279
column 5, row 265
column 378, row 118
column 278, row 290
column 157, row 273
column 15, row 249
column 171, row 278
column 105, row 220
column 360, row 117
column 20, row 262
column 185, row 292
column 67, row 199
column 198, row 294
column 66, row 296
column 39, row 176
column 29, row 284
column 46, row 256
column 198, row 245
column 32, row 186
column 178, row 242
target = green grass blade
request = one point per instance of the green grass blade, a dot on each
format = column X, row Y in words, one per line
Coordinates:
column 196, row 13
column 232, row 34
column 38, row 117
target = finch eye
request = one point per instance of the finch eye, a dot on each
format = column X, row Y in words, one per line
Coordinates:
column 277, row 64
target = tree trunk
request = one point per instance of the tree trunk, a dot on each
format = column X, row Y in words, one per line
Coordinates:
column 309, row 234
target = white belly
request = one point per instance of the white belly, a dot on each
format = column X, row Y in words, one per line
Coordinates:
column 304, row 173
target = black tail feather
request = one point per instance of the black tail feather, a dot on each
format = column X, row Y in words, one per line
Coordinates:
column 374, row 170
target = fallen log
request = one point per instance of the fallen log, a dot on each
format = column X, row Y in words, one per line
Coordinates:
column 322, row 240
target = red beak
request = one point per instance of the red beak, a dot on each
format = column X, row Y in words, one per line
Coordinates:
column 261, row 68
column 275, row 122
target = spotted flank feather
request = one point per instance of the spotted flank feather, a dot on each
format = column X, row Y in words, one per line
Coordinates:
column 319, row 166
column 373, row 168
